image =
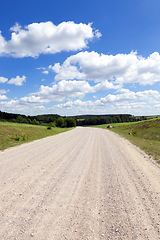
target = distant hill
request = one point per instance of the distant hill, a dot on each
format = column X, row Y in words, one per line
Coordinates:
column 81, row 120
column 12, row 117
column 100, row 115
column 46, row 118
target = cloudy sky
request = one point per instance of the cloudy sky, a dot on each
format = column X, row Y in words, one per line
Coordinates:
column 80, row 57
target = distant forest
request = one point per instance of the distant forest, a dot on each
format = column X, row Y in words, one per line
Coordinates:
column 72, row 121
column 106, row 119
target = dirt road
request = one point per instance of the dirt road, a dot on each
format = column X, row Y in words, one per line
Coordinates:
column 83, row 184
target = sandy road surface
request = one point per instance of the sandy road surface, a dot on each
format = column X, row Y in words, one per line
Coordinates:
column 83, row 184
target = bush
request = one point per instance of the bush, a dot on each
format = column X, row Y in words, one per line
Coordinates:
column 70, row 122
column 49, row 126
column 24, row 138
column 134, row 132
column 20, row 119
column 17, row 137
column 59, row 122
column 35, row 122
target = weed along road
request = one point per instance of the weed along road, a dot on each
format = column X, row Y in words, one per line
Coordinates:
column 86, row 183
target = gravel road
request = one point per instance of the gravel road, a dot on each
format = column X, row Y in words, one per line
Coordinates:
column 87, row 183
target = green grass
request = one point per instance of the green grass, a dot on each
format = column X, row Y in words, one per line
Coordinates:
column 144, row 134
column 113, row 124
column 78, row 119
column 12, row 134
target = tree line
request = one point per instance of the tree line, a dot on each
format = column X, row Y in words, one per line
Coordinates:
column 120, row 118
column 52, row 120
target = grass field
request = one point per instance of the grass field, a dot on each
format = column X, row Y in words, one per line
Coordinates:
column 12, row 134
column 144, row 134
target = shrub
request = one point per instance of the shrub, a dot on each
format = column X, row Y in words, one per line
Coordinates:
column 24, row 137
column 49, row 126
column 17, row 137
column 60, row 122
column 134, row 132
column 35, row 122
column 19, row 119
column 70, row 122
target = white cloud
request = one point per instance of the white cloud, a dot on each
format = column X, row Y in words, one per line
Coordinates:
column 3, row 79
column 13, row 106
column 45, row 72
column 127, row 98
column 106, row 85
column 2, row 96
column 2, row 91
column 18, row 81
column 126, row 101
column 45, row 37
column 77, row 89
column 118, row 69
column 39, row 107
column 32, row 99
column 157, row 105
column 39, row 68
column 67, row 72
column 17, row 28
column 59, row 92
column 63, row 90
column 2, row 43
column 127, row 95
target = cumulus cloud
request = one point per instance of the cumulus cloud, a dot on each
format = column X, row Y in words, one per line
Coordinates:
column 126, row 98
column 59, row 92
column 2, row 96
column 45, row 72
column 119, row 69
column 128, row 95
column 63, row 90
column 67, row 71
column 106, row 85
column 45, row 37
column 39, row 68
column 15, row 105
column 142, row 102
column 18, row 81
column 3, row 79
column 2, row 43
column 2, row 91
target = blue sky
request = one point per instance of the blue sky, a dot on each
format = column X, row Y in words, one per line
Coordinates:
column 80, row 57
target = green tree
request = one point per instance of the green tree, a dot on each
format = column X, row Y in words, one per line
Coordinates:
column 70, row 122
column 19, row 119
column 35, row 122
column 60, row 122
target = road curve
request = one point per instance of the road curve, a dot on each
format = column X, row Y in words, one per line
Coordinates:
column 87, row 183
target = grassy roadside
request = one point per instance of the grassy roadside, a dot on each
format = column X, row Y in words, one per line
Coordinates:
column 12, row 134
column 145, row 135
